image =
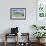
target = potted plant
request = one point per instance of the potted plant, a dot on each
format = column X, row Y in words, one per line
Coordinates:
column 39, row 35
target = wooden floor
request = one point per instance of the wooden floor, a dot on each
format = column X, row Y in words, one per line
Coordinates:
column 13, row 44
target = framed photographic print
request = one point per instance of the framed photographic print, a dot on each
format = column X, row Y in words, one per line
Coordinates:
column 41, row 8
column 18, row 13
column 41, row 12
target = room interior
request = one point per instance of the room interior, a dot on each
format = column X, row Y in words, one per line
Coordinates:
column 22, row 23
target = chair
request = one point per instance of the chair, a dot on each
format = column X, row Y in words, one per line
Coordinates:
column 7, row 35
column 14, row 32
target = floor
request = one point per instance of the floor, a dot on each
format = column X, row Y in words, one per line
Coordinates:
column 13, row 44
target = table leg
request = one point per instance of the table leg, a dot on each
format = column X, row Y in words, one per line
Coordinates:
column 5, row 40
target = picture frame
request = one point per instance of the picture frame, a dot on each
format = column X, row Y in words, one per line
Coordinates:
column 17, row 13
column 40, row 12
column 41, row 8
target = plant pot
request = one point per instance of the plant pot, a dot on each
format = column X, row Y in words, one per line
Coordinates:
column 40, row 41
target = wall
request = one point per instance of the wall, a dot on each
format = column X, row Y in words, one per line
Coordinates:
column 24, row 25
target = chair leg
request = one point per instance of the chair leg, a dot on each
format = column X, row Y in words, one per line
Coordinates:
column 5, row 40
column 5, row 43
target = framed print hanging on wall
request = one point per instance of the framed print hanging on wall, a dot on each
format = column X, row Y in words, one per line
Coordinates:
column 18, row 13
column 41, row 8
column 41, row 12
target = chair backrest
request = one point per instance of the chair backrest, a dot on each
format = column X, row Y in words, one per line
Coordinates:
column 14, row 30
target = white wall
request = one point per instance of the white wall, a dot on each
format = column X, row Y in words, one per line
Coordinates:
column 24, row 25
